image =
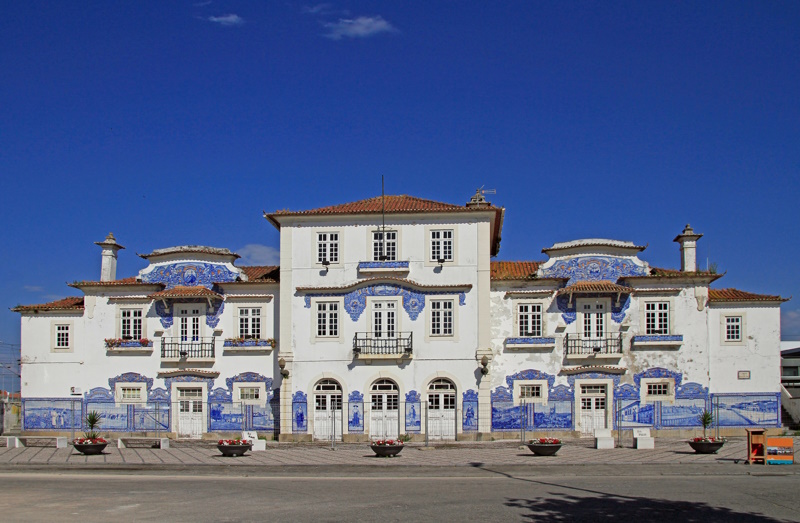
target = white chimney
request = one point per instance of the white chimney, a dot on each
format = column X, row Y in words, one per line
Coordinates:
column 108, row 266
column 688, row 240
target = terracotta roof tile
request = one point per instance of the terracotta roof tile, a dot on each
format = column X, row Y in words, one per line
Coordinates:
column 72, row 303
column 394, row 204
column 721, row 295
column 181, row 291
column 131, row 280
column 262, row 273
column 397, row 204
column 514, row 270
column 594, row 286
column 677, row 273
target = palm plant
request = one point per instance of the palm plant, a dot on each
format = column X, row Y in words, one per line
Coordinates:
column 706, row 419
column 93, row 420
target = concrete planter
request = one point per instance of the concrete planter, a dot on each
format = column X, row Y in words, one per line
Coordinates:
column 706, row 447
column 544, row 449
column 90, row 448
column 386, row 451
column 233, row 450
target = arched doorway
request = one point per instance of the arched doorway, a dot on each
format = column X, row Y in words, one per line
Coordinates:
column 441, row 409
column 328, row 410
column 384, row 419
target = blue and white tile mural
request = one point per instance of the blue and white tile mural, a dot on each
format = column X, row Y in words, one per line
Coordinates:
column 114, row 417
column 355, row 413
column 745, row 410
column 51, row 414
column 555, row 415
column 682, row 413
column 470, row 411
column 633, row 414
column 413, row 412
column 299, row 412
column 225, row 416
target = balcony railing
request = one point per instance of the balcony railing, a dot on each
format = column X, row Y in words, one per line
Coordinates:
column 189, row 349
column 578, row 346
column 370, row 344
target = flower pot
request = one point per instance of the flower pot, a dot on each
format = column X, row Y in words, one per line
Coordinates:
column 234, row 450
column 544, row 449
column 706, row 447
column 386, row 451
column 90, row 448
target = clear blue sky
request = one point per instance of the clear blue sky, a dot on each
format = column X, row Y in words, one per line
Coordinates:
column 177, row 122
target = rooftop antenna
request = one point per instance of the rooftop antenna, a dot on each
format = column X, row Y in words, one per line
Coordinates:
column 383, row 222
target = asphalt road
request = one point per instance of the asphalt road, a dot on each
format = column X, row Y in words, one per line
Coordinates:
column 451, row 494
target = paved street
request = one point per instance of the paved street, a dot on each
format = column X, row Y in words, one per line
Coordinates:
column 451, row 495
column 574, row 452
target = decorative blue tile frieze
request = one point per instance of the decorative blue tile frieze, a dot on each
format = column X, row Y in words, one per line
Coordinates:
column 233, row 342
column 366, row 265
column 561, row 393
column 355, row 396
column 626, row 392
column 530, row 341
column 657, row 338
column 158, row 395
column 592, row 376
column 190, row 274
column 658, row 372
column 220, row 395
column 691, row 390
column 501, row 393
column 165, row 315
column 530, row 374
column 99, row 394
column 213, row 315
column 130, row 377
column 570, row 314
column 469, row 395
column 413, row 395
column 249, row 377
column 355, row 302
column 189, row 379
column 593, row 268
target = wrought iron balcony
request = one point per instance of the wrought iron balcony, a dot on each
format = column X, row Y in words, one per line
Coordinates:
column 368, row 344
column 187, row 349
column 577, row 346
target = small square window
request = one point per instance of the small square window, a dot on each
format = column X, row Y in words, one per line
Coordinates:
column 249, row 393
column 658, row 389
column 530, row 391
column 733, row 328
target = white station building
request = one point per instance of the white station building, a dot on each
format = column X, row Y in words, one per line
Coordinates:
column 386, row 317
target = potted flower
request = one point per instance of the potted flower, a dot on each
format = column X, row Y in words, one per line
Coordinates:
column 91, row 442
column 706, row 444
column 387, row 448
column 544, row 446
column 234, row 447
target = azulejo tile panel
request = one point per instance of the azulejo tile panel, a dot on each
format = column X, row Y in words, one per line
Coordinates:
column 594, row 268
column 190, row 274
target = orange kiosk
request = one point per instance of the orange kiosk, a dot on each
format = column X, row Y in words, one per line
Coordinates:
column 756, row 446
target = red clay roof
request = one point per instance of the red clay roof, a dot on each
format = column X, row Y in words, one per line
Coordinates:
column 594, row 286
column 74, row 303
column 394, row 204
column 720, row 295
column 181, row 291
column 262, row 273
column 131, row 280
column 514, row 270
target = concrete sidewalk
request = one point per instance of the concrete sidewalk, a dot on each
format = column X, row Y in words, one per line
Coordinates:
column 468, row 454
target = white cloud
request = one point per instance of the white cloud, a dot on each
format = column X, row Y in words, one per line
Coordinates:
column 256, row 254
column 790, row 323
column 33, row 288
column 361, row 27
column 227, row 20
column 319, row 9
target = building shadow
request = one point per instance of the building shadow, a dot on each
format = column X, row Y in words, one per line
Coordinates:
column 606, row 507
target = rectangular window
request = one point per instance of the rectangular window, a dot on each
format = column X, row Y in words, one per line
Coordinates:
column 442, row 318
column 131, row 324
column 250, row 323
column 442, row 245
column 733, row 328
column 249, row 393
column 328, row 247
column 529, row 319
column 384, row 246
column 658, row 389
column 327, row 320
column 130, row 394
column 657, row 318
column 530, row 391
column 62, row 336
